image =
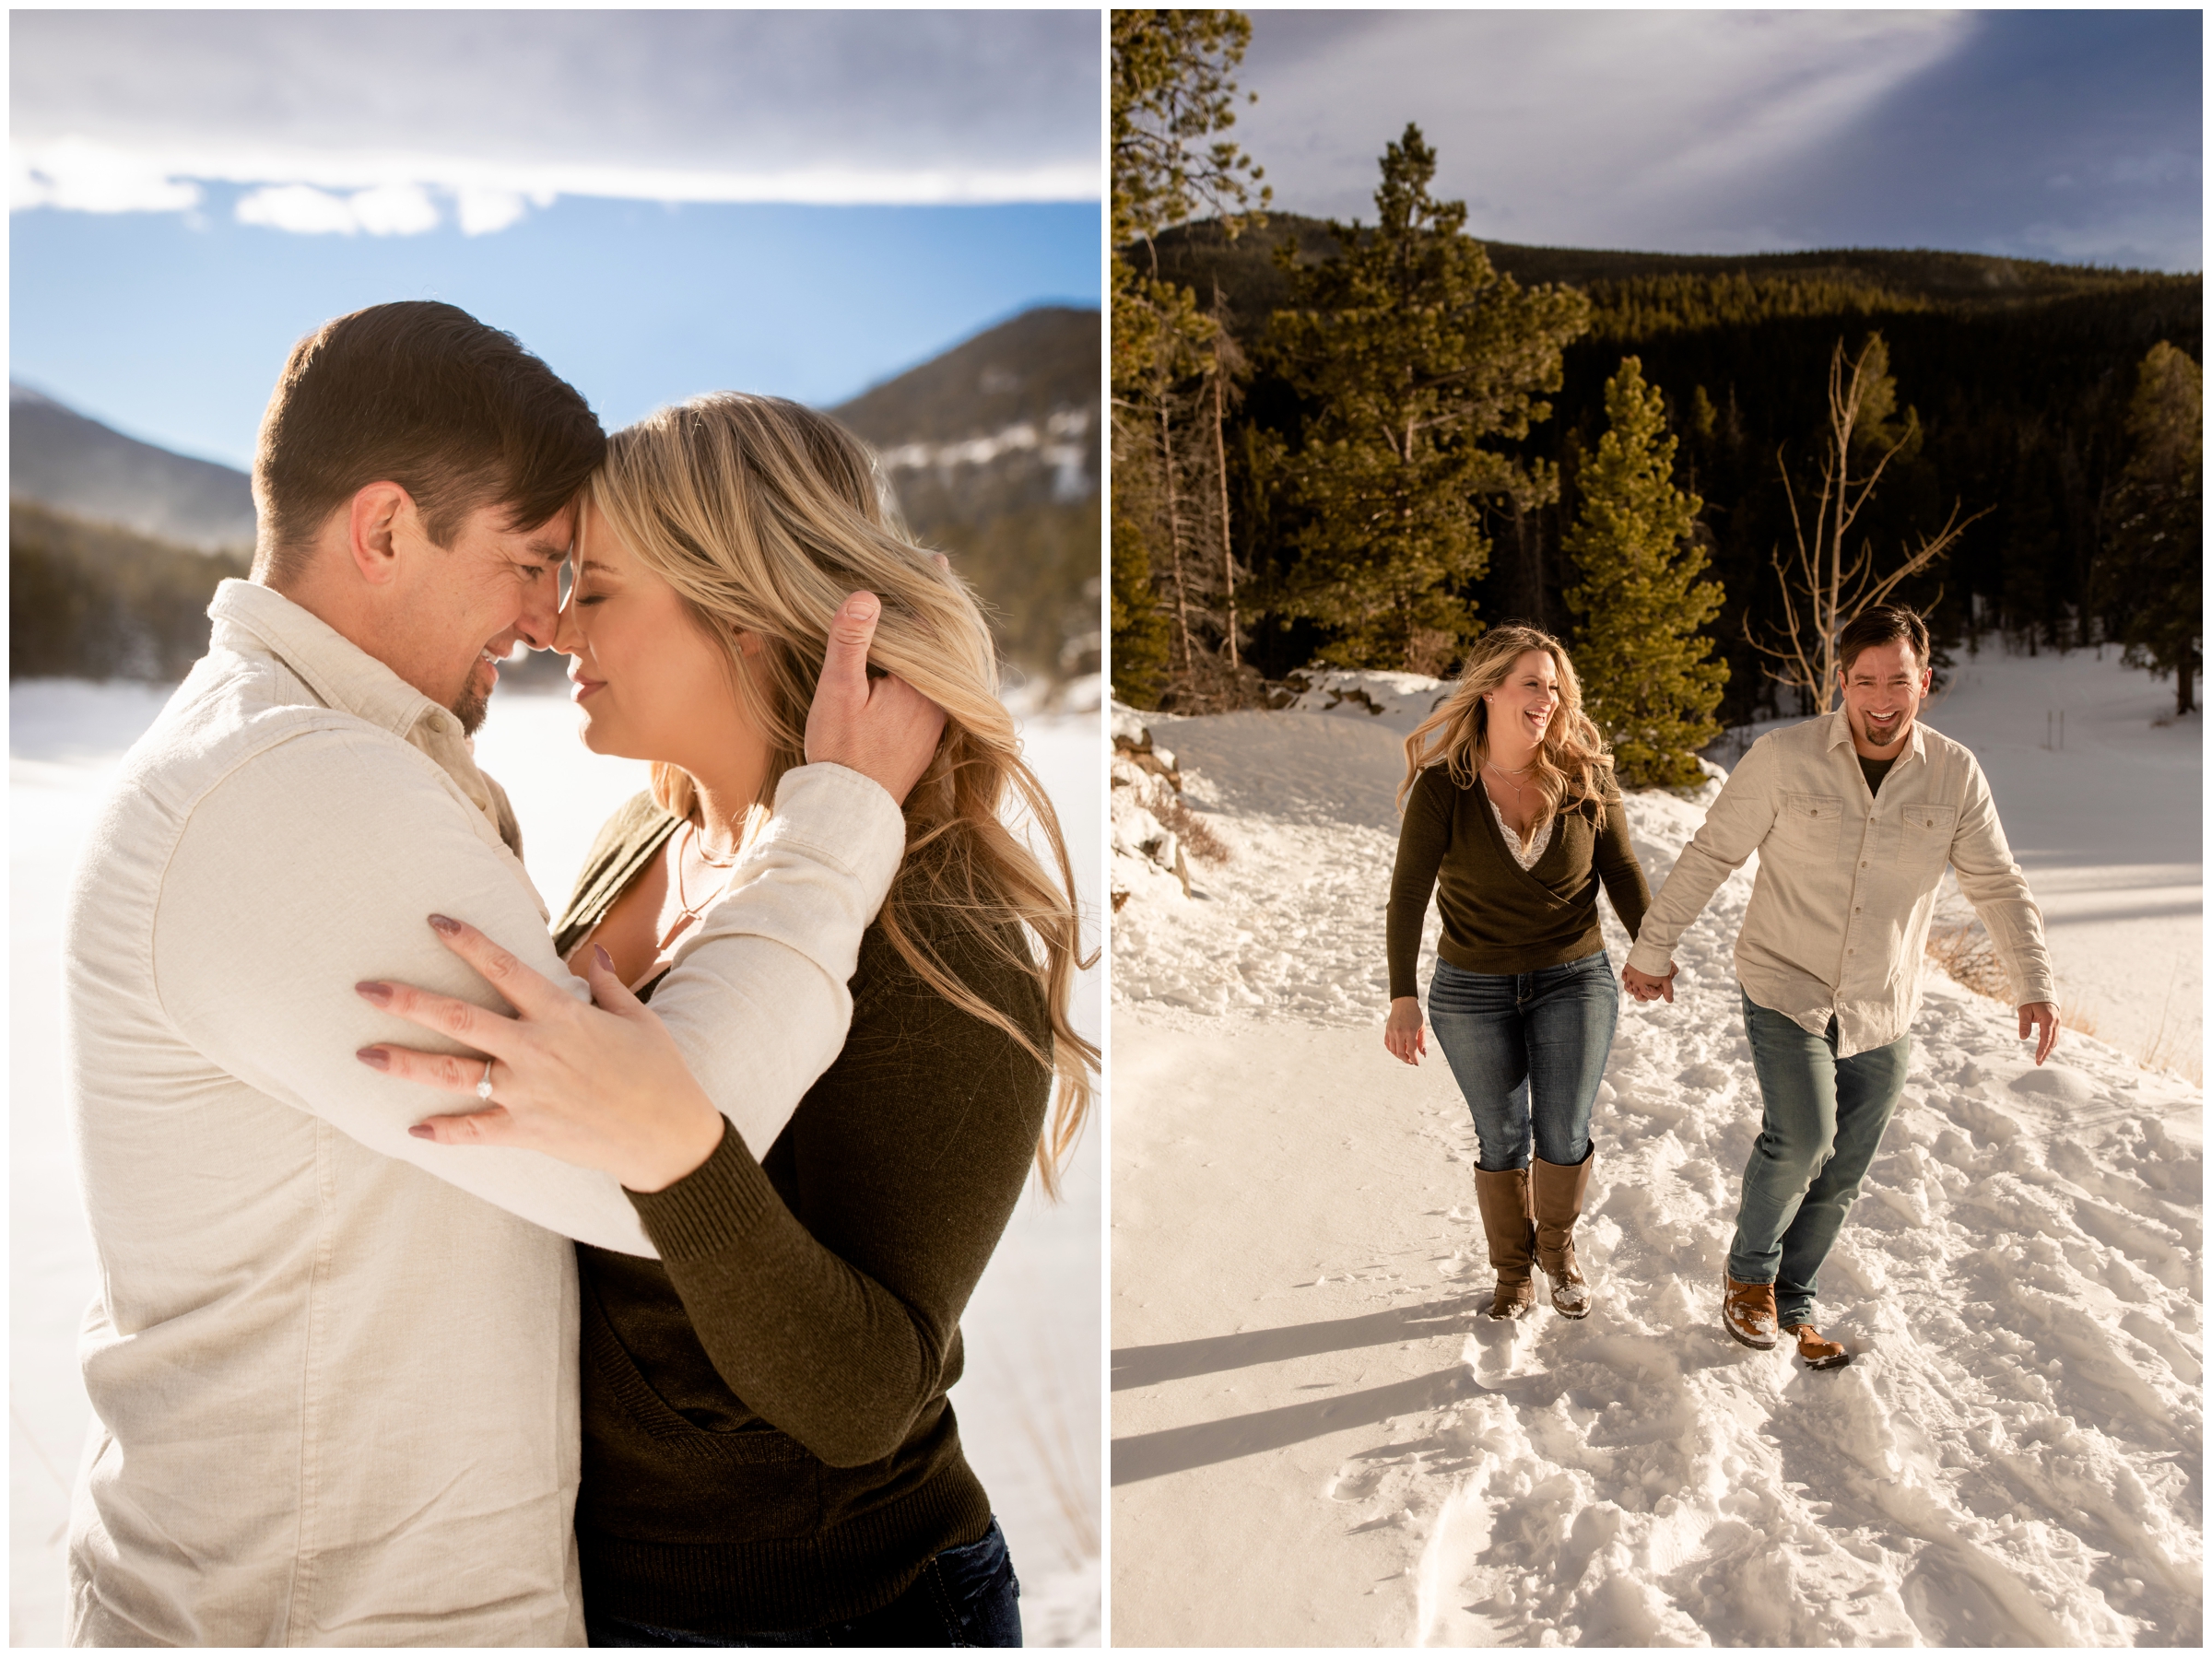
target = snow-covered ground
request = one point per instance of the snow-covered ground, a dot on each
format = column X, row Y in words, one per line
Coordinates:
column 1029, row 1408
column 1317, row 1440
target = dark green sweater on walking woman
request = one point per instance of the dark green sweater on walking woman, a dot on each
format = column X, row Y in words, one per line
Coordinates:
column 1499, row 918
column 767, row 1442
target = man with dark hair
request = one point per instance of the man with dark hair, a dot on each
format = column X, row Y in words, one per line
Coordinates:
column 334, row 1366
column 1854, row 816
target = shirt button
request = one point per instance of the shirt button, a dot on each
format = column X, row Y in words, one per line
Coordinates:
column 1862, row 865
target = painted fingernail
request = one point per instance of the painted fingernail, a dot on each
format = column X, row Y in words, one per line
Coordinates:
column 378, row 993
column 607, row 961
column 422, row 1130
column 444, row 926
column 376, row 1058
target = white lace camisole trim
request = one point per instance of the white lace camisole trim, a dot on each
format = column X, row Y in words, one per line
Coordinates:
column 1525, row 856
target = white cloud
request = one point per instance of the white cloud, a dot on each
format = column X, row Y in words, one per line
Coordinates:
column 387, row 210
column 1557, row 126
column 85, row 178
column 486, row 212
column 299, row 208
column 395, row 210
column 492, row 195
column 494, row 112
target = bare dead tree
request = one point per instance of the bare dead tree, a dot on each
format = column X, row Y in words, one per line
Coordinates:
column 1169, row 467
column 1228, row 360
column 1824, row 588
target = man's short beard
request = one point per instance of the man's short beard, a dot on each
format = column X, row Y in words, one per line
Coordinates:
column 1866, row 732
column 470, row 707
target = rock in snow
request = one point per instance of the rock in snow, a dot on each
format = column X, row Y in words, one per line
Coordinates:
column 1318, row 1440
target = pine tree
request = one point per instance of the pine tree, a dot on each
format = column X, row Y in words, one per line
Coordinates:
column 1133, row 618
column 2151, row 578
column 1172, row 98
column 1646, row 681
column 1410, row 350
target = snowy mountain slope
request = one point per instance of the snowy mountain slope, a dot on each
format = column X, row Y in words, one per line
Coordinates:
column 1317, row 1440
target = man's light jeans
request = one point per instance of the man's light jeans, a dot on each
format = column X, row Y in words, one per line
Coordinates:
column 1822, row 1122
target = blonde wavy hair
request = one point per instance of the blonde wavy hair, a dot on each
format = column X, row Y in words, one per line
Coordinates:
column 764, row 515
column 1572, row 764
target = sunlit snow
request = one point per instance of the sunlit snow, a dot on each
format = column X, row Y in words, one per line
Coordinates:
column 1317, row 1440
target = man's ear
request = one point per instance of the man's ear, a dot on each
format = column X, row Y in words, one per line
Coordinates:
column 375, row 514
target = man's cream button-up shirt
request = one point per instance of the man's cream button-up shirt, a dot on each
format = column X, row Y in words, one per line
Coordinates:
column 1838, row 922
column 334, row 1367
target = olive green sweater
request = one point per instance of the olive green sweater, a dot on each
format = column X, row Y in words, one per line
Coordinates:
column 1499, row 918
column 767, row 1442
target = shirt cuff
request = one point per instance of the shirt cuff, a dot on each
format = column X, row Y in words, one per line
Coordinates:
column 842, row 818
column 710, row 1207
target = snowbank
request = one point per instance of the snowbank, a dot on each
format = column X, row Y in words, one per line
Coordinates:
column 1029, row 1407
column 1317, row 1440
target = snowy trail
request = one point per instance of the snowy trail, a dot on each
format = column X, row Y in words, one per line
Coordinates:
column 1316, row 1439
column 1028, row 1406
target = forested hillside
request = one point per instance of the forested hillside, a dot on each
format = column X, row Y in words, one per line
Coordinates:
column 2018, row 375
column 93, row 601
column 992, row 449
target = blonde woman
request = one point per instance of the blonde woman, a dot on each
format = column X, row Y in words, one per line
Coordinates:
column 770, row 1456
column 1512, row 817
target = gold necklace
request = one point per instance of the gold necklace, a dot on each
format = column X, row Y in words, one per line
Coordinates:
column 688, row 912
column 1508, row 777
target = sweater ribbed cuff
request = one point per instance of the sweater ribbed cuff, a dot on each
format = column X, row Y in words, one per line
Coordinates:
column 709, row 1209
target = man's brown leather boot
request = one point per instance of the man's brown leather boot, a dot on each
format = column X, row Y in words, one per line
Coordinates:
column 1817, row 1351
column 1748, row 1312
column 1503, row 1199
column 1555, row 1199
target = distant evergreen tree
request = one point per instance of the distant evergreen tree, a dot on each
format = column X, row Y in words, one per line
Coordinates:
column 1410, row 350
column 1646, row 680
column 1172, row 98
column 1138, row 628
column 2151, row 578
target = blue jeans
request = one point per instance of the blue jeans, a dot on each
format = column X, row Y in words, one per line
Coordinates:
column 1528, row 1050
column 965, row 1596
column 1822, row 1124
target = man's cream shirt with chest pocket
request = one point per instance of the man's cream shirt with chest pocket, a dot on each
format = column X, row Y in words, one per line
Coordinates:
column 334, row 1366
column 1837, row 921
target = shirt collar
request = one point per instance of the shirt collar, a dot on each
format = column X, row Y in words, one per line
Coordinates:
column 341, row 674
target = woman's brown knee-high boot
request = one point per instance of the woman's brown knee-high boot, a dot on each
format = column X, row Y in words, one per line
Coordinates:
column 1555, row 1198
column 1503, row 1199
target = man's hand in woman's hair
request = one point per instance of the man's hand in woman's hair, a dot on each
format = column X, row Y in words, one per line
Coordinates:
column 883, row 728
column 603, row 1086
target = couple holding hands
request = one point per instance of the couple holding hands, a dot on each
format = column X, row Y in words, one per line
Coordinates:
column 1513, row 819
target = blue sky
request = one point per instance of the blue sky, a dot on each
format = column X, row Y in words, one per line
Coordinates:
column 2073, row 135
column 656, row 202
